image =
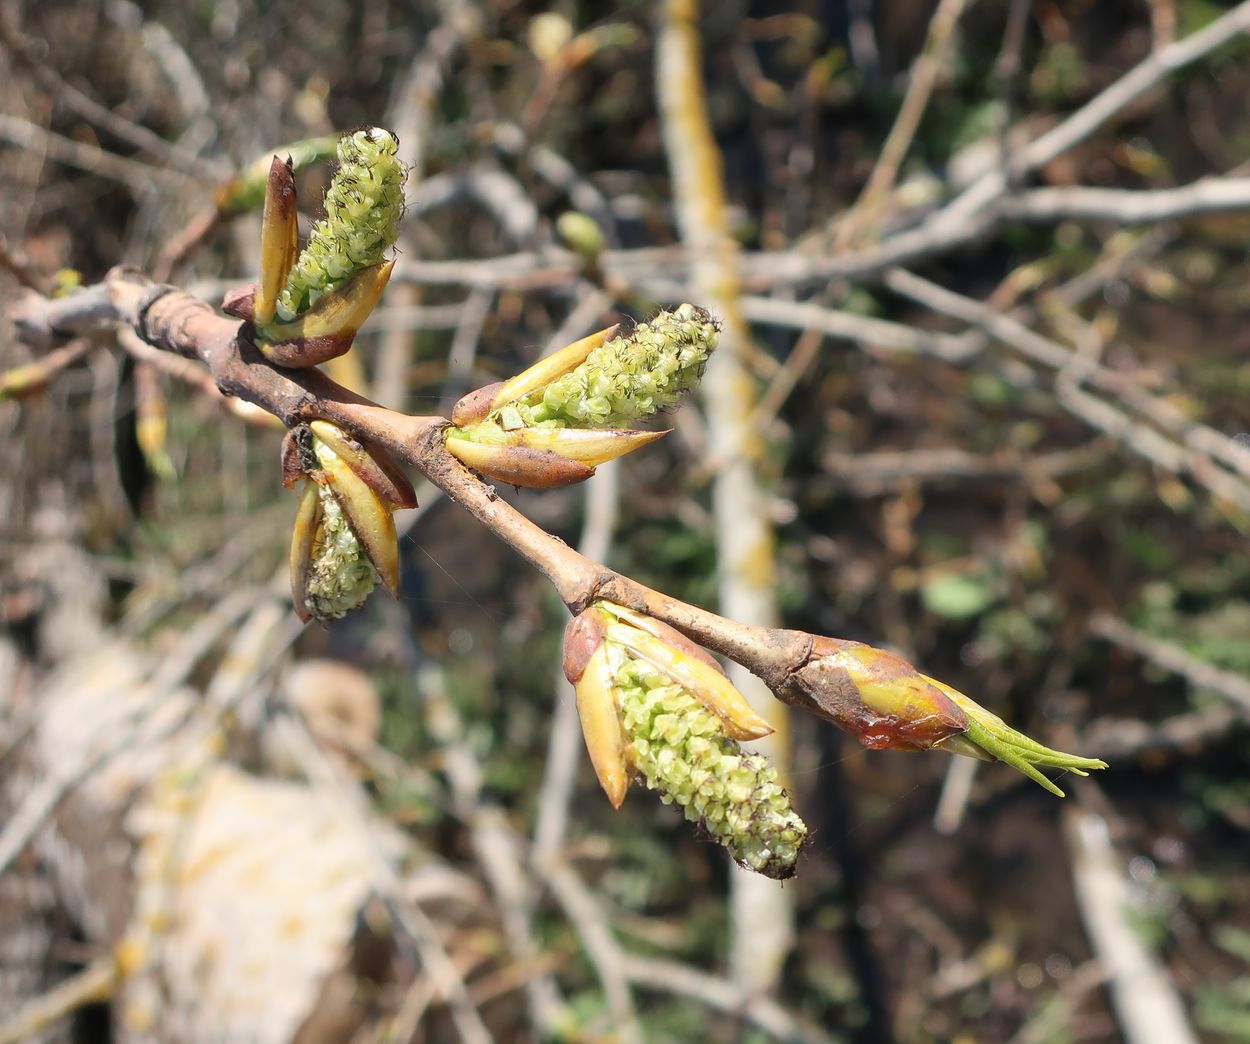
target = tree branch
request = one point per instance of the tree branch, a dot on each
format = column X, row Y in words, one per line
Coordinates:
column 172, row 320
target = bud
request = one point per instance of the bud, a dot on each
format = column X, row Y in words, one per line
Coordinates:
column 279, row 239
column 628, row 377
column 307, row 310
column 542, row 458
column 372, row 463
column 548, row 35
column 344, row 538
column 682, row 751
column 879, row 698
column 687, row 665
column 989, row 737
column 536, row 378
column 581, row 232
column 587, row 668
column 640, row 719
column 152, row 423
column 553, row 424
column 518, row 465
column 330, row 571
column 885, row 703
column 363, row 206
column 327, row 329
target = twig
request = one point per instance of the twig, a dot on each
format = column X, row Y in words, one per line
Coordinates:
column 18, row 266
column 1123, row 737
column 1128, row 206
column 1057, row 1013
column 96, row 982
column 139, row 177
column 41, row 801
column 34, row 376
column 179, row 248
column 863, row 329
column 924, row 74
column 464, row 344
column 190, row 373
column 1194, row 449
column 609, row 959
column 1006, row 76
column 24, row 48
column 956, row 789
column 495, row 846
column 1146, row 1003
column 438, row 965
column 721, row 995
column 1172, row 657
column 171, row 320
column 1146, row 75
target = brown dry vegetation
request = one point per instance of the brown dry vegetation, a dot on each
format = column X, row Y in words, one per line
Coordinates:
column 1065, row 541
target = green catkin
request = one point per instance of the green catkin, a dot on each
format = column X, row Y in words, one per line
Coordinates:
column 630, row 377
column 682, row 751
column 342, row 576
column 363, row 207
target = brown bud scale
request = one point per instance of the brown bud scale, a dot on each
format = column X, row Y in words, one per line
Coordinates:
column 582, row 636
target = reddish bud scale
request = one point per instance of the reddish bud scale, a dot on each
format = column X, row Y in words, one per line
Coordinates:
column 582, row 636
column 876, row 696
column 372, row 464
column 668, row 634
column 475, row 406
column 520, row 465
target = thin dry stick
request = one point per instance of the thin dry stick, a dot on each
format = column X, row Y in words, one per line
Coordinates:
column 34, row 376
column 495, row 845
column 721, row 995
column 139, row 177
column 29, row 53
column 1124, row 737
column 448, row 982
column 654, row 269
column 924, row 75
column 1192, row 449
column 18, row 266
column 586, row 916
column 1159, row 651
column 1143, row 77
column 1214, row 195
column 411, row 114
column 974, row 212
column 1147, row 1005
column 94, row 983
column 762, row 915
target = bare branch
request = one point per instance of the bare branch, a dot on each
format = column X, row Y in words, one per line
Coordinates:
column 1172, row 657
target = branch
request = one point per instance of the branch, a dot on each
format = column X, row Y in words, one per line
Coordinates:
column 1171, row 657
column 96, row 982
column 873, row 694
column 173, row 321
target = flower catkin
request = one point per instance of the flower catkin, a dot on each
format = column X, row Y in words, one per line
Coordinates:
column 363, row 207
column 682, row 751
column 629, row 377
column 341, row 576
